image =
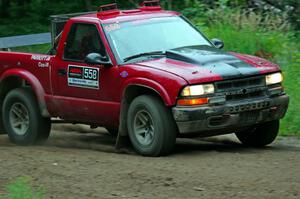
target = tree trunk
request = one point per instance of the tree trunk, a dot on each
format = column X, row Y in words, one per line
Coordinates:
column 170, row 4
column 88, row 5
column 23, row 7
column 4, row 8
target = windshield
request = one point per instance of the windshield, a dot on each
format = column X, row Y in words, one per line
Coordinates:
column 151, row 35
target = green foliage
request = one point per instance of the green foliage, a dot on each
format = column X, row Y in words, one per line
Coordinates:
column 290, row 124
column 43, row 48
column 22, row 189
column 32, row 16
column 35, row 13
column 258, row 34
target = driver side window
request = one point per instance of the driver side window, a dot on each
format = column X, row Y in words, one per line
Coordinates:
column 82, row 40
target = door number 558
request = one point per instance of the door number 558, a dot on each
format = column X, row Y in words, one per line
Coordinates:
column 91, row 74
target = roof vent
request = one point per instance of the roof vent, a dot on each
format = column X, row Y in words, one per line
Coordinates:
column 153, row 5
column 109, row 9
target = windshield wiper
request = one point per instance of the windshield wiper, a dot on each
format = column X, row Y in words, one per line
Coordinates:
column 155, row 53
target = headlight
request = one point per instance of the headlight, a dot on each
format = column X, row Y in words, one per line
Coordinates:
column 274, row 78
column 198, row 90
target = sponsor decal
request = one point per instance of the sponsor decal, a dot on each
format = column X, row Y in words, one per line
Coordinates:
column 43, row 65
column 83, row 77
column 40, row 57
column 112, row 27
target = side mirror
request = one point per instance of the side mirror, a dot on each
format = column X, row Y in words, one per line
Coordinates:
column 218, row 43
column 97, row 59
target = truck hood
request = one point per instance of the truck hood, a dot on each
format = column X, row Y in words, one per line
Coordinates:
column 198, row 64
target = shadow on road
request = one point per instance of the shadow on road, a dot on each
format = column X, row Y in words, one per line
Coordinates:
column 79, row 136
column 82, row 137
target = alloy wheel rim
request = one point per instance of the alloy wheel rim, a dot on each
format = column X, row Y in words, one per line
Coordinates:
column 19, row 118
column 143, row 128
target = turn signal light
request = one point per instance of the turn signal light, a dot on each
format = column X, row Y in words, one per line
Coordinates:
column 192, row 102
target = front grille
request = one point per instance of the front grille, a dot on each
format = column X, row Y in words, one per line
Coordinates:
column 244, row 96
column 240, row 89
column 240, row 83
column 248, row 117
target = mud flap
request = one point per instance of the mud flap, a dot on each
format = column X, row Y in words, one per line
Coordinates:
column 2, row 131
column 123, row 140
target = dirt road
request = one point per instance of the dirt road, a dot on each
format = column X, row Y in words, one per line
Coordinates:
column 77, row 164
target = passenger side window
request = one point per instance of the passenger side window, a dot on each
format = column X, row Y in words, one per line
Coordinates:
column 82, row 40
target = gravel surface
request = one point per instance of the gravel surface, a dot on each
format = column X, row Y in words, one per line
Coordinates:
column 78, row 162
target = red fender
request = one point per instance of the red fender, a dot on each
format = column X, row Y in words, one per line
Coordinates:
column 153, row 85
column 35, row 84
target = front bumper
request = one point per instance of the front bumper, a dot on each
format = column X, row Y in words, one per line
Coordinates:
column 230, row 116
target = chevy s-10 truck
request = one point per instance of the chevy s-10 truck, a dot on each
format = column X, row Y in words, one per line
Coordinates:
column 147, row 74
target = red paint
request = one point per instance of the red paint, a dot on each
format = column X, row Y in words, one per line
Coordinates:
column 75, row 70
column 102, row 106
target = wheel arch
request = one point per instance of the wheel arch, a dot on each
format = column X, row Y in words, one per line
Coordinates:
column 135, row 89
column 149, row 85
column 16, row 78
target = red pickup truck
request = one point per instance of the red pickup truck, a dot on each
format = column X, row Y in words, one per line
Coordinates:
column 146, row 73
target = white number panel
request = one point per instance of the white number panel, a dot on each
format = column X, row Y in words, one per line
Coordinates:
column 83, row 77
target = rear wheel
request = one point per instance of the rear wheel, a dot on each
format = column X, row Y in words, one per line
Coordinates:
column 22, row 118
column 151, row 127
column 261, row 135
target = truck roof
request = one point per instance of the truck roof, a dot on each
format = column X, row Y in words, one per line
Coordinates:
column 130, row 15
column 111, row 14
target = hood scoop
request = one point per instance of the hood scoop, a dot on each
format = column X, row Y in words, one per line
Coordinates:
column 214, row 60
column 201, row 55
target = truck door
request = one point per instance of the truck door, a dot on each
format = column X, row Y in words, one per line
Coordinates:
column 83, row 92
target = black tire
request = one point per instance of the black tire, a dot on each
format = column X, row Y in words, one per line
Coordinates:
column 159, row 125
column 38, row 128
column 260, row 136
column 113, row 131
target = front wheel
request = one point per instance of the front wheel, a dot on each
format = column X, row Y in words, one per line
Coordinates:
column 22, row 118
column 260, row 136
column 151, row 128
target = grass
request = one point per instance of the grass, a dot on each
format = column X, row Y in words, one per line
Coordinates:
column 291, row 123
column 261, row 35
column 22, row 189
column 275, row 45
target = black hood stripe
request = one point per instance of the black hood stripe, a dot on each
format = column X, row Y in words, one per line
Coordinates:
column 217, row 61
